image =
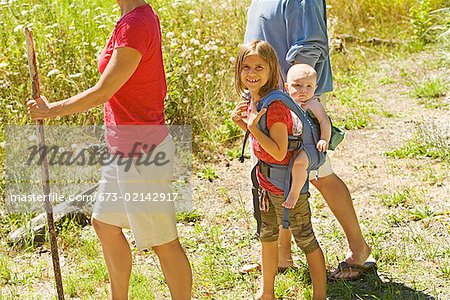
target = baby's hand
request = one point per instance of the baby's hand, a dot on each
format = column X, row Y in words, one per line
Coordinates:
column 322, row 146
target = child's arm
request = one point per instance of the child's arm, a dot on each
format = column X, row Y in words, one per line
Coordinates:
column 237, row 114
column 276, row 144
column 324, row 121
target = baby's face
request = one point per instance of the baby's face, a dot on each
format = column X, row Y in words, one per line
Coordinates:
column 301, row 88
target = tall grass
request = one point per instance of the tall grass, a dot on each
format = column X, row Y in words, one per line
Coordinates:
column 398, row 19
column 200, row 39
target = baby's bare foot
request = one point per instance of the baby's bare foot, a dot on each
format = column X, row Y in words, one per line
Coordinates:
column 291, row 201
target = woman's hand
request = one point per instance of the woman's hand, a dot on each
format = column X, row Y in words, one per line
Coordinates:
column 39, row 108
column 240, row 111
column 254, row 119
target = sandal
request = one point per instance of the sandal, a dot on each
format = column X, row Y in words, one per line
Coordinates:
column 345, row 267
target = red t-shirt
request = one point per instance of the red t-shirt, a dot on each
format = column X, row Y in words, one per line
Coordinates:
column 140, row 101
column 276, row 113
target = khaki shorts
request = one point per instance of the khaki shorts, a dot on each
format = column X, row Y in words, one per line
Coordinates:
column 300, row 222
column 326, row 169
column 133, row 199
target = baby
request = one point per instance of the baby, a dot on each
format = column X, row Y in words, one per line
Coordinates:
column 301, row 82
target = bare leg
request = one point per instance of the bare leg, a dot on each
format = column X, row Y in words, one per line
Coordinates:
column 269, row 253
column 176, row 269
column 117, row 254
column 284, row 249
column 299, row 175
column 337, row 195
column 317, row 271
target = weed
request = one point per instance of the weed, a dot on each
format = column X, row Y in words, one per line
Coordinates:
column 420, row 213
column 5, row 271
column 189, row 217
column 397, row 198
column 429, row 89
column 208, row 173
column 427, row 141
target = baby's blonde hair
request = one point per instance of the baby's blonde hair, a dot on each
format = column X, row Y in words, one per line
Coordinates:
column 267, row 53
column 303, row 71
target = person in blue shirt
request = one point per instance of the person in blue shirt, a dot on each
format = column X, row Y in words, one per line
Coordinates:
column 297, row 30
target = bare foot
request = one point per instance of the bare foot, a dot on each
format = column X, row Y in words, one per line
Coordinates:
column 291, row 200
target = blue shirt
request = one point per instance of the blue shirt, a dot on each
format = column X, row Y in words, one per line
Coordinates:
column 297, row 30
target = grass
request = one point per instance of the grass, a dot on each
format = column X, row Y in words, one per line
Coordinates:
column 427, row 141
column 430, row 92
column 208, row 173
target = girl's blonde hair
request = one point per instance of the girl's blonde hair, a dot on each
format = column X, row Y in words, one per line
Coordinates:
column 267, row 53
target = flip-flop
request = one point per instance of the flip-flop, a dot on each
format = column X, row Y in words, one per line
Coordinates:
column 346, row 267
column 257, row 268
column 250, row 268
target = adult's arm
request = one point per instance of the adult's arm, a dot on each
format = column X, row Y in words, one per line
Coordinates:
column 306, row 32
column 122, row 65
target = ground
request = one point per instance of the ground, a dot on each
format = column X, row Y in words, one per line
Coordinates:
column 402, row 205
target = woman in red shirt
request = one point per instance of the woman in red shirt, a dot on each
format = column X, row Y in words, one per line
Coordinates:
column 132, row 87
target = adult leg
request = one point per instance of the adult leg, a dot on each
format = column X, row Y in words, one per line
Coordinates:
column 117, row 254
column 338, row 198
column 284, row 249
column 176, row 269
column 299, row 177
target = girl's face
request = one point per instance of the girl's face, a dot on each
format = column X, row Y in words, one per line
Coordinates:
column 254, row 73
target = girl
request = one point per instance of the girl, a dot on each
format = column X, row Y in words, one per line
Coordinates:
column 257, row 71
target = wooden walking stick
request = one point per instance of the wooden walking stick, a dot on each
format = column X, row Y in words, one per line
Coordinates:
column 35, row 91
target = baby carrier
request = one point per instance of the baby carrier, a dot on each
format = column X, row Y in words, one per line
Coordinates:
column 280, row 175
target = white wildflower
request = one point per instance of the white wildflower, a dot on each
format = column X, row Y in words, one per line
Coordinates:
column 195, row 42
column 17, row 28
column 170, row 35
column 76, row 75
column 53, row 72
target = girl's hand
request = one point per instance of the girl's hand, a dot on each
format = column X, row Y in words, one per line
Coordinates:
column 322, row 145
column 240, row 111
column 39, row 108
column 254, row 119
